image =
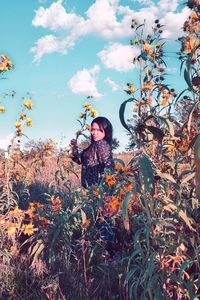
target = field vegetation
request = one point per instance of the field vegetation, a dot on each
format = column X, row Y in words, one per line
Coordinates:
column 135, row 235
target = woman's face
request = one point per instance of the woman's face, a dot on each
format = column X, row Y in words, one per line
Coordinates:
column 97, row 133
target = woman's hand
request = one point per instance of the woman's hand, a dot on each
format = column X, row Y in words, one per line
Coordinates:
column 75, row 153
column 73, row 143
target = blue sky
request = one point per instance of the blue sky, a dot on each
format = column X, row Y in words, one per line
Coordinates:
column 64, row 51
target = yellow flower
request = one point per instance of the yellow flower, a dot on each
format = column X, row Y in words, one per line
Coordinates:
column 23, row 116
column 17, row 212
column 12, row 228
column 2, row 222
column 82, row 116
column 6, row 59
column 132, row 89
column 5, row 63
column 29, row 122
column 29, row 229
column 86, row 105
column 88, row 127
column 18, row 125
column 89, row 107
column 93, row 113
column 2, row 109
column 170, row 146
column 28, row 104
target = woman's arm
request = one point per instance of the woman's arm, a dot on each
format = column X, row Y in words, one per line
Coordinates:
column 104, row 153
column 75, row 153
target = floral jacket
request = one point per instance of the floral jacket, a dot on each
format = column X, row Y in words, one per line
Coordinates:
column 94, row 159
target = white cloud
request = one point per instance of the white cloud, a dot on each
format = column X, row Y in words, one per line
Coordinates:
column 55, row 17
column 117, row 57
column 50, row 44
column 167, row 5
column 4, row 143
column 146, row 2
column 174, row 23
column 101, row 19
column 115, row 87
column 84, row 82
column 105, row 18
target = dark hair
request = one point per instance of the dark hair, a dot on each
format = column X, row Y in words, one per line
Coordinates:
column 104, row 124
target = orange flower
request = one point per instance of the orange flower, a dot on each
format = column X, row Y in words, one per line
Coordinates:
column 86, row 224
column 96, row 192
column 127, row 169
column 190, row 43
column 129, row 187
column 2, row 109
column 166, row 97
column 160, row 68
column 193, row 17
column 195, row 28
column 13, row 249
column 56, row 204
column 146, row 47
column 118, row 167
column 148, row 86
column 121, row 194
column 113, row 205
column 110, row 180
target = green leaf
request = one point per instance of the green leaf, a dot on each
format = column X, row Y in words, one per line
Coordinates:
column 157, row 132
column 169, row 124
column 197, row 165
column 187, row 79
column 190, row 116
column 150, row 267
column 129, row 275
column 83, row 216
column 119, row 161
column 125, row 204
column 187, row 178
column 183, row 267
column 121, row 114
column 165, row 176
column 178, row 97
column 148, row 174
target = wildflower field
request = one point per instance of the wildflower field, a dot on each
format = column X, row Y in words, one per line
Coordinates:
column 136, row 234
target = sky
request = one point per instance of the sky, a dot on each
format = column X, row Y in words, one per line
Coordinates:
column 66, row 50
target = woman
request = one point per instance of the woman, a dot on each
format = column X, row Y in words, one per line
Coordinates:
column 98, row 155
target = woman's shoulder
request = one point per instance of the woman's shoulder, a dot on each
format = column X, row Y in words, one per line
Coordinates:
column 103, row 144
